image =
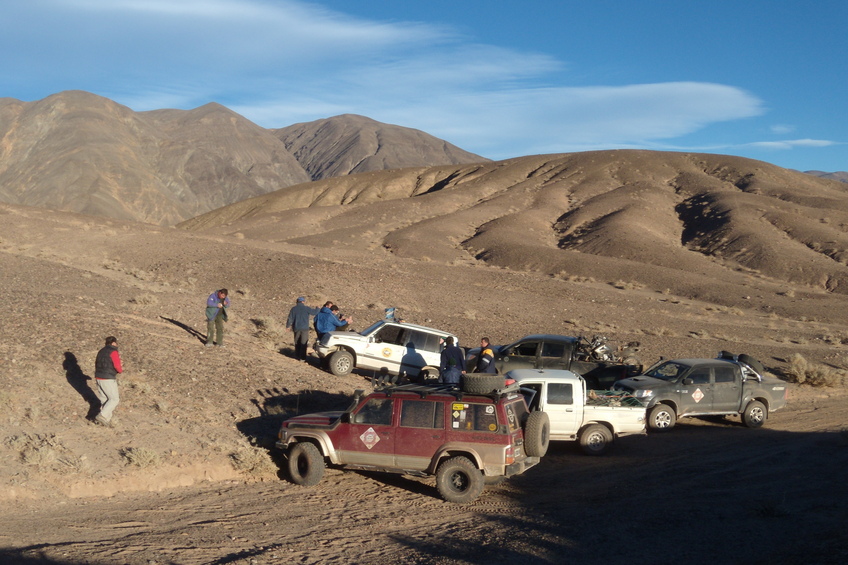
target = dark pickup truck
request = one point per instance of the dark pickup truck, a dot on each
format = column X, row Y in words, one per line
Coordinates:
column 728, row 385
column 594, row 359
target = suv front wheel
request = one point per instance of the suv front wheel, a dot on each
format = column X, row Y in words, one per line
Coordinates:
column 458, row 480
column 341, row 363
column 306, row 464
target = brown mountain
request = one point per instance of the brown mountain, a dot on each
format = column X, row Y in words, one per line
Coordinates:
column 841, row 176
column 664, row 220
column 79, row 152
column 355, row 144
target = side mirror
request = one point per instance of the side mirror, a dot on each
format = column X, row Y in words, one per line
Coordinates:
column 687, row 381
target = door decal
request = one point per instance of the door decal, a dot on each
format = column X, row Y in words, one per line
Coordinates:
column 370, row 438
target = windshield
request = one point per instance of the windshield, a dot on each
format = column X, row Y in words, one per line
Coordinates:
column 372, row 328
column 668, row 371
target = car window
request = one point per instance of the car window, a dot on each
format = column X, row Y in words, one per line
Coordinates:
column 515, row 414
column 390, row 334
column 668, row 371
column 472, row 417
column 376, row 411
column 700, row 376
column 422, row 414
column 724, row 375
column 526, row 349
column 560, row 393
column 555, row 350
column 424, row 341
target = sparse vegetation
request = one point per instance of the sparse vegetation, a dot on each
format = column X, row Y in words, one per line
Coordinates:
column 253, row 461
column 142, row 457
column 802, row 371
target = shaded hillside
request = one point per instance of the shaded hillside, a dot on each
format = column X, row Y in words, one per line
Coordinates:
column 355, row 144
column 79, row 152
column 653, row 218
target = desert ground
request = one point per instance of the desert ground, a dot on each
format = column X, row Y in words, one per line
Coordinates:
column 189, row 473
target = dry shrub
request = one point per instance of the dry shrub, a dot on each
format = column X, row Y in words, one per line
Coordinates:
column 802, row 371
column 44, row 452
column 253, row 461
column 140, row 457
column 270, row 332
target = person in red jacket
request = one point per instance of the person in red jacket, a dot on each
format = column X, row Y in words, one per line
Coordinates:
column 107, row 366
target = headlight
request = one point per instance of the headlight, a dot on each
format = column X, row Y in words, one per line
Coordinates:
column 644, row 393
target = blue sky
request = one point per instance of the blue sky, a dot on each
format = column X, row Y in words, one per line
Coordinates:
column 764, row 79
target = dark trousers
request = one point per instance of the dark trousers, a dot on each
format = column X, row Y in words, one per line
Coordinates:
column 301, row 340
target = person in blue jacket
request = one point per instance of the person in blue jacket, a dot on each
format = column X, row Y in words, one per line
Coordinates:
column 328, row 320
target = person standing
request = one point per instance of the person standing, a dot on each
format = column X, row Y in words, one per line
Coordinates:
column 216, row 315
column 452, row 365
column 107, row 366
column 486, row 359
column 298, row 321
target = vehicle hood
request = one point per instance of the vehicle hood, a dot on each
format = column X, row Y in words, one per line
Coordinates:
column 349, row 336
column 313, row 420
column 640, row 382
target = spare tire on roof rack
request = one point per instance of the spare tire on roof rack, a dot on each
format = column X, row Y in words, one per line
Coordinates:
column 481, row 383
column 753, row 363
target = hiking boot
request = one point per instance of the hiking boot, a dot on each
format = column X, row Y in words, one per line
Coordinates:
column 102, row 421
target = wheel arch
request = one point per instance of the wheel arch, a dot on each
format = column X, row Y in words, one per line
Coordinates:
column 449, row 452
column 324, row 445
column 607, row 425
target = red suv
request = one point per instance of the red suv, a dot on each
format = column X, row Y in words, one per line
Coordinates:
column 465, row 439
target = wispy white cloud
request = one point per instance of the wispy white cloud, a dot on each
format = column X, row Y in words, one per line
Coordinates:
column 282, row 62
column 793, row 143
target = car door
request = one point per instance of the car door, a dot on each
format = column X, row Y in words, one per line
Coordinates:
column 552, row 355
column 420, row 433
column 697, row 391
column 727, row 389
column 385, row 349
column 370, row 437
column 422, row 349
column 521, row 355
column 558, row 401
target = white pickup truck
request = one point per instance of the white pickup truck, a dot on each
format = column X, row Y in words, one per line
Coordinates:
column 594, row 418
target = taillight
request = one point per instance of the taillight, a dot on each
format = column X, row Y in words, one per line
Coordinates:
column 510, row 456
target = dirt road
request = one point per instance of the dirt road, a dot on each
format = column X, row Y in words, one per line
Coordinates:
column 706, row 492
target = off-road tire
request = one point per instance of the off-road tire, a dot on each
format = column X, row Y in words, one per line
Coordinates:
column 755, row 414
column 661, row 418
column 306, row 464
column 458, row 480
column 595, row 439
column 340, row 363
column 537, row 434
column 753, row 363
column 481, row 383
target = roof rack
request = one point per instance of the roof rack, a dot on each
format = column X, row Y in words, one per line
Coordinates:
column 424, row 389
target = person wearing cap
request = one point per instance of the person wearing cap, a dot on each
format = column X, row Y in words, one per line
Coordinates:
column 216, row 314
column 298, row 321
column 107, row 366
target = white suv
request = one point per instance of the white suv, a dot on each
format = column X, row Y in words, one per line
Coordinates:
column 395, row 348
